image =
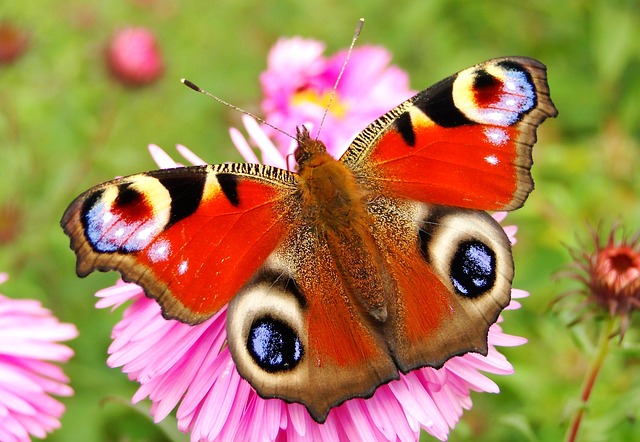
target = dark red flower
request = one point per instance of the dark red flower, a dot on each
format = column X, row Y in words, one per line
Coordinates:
column 134, row 57
column 610, row 274
column 13, row 42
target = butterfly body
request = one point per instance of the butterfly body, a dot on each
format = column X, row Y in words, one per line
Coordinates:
column 344, row 274
column 333, row 203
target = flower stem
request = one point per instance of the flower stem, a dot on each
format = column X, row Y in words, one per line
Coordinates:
column 590, row 379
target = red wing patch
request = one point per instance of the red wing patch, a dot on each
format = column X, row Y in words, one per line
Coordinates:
column 464, row 142
column 448, row 166
column 191, row 237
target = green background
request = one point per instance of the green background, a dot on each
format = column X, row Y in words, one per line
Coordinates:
column 65, row 125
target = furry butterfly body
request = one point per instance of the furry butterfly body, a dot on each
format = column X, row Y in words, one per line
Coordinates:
column 341, row 275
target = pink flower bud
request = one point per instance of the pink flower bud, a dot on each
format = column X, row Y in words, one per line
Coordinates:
column 134, row 57
column 13, row 42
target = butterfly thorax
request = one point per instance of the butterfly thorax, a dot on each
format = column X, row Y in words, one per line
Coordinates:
column 334, row 204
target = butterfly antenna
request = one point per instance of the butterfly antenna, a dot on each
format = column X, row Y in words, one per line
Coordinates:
column 197, row 88
column 356, row 34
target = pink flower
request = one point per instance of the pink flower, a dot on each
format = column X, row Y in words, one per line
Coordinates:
column 134, row 57
column 13, row 42
column 299, row 80
column 190, row 367
column 29, row 340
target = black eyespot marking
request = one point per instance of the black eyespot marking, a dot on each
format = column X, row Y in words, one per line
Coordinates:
column 127, row 196
column 87, row 205
column 440, row 107
column 513, row 66
column 484, row 80
column 405, row 128
column 186, row 194
column 229, row 186
column 273, row 345
column 427, row 230
column 274, row 278
column 473, row 269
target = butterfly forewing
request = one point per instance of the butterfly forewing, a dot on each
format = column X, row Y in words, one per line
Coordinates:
column 191, row 237
column 464, row 142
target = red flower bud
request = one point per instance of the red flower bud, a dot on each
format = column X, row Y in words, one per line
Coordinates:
column 610, row 274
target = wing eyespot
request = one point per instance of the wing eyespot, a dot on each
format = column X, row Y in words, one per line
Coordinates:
column 265, row 328
column 126, row 218
column 469, row 250
column 473, row 268
column 273, row 345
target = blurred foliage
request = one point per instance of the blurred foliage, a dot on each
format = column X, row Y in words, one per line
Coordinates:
column 65, row 126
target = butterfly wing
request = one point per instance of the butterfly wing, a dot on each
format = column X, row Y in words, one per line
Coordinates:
column 453, row 271
column 464, row 142
column 191, row 237
column 295, row 334
column 432, row 163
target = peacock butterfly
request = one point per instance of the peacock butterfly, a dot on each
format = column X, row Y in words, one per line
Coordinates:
column 347, row 272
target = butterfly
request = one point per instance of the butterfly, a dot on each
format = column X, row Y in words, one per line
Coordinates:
column 344, row 273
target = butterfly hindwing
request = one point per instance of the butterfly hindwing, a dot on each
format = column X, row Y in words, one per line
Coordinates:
column 464, row 142
column 296, row 334
column 453, row 271
column 191, row 237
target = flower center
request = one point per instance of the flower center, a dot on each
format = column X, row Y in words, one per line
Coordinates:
column 621, row 262
column 310, row 96
column 621, row 266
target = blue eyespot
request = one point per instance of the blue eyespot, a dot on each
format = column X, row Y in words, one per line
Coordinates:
column 273, row 345
column 473, row 269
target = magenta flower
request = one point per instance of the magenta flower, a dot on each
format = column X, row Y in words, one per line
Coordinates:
column 134, row 57
column 298, row 83
column 29, row 342
column 190, row 367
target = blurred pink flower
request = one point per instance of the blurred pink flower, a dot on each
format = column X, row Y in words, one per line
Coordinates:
column 29, row 340
column 298, row 83
column 134, row 57
column 13, row 42
column 190, row 367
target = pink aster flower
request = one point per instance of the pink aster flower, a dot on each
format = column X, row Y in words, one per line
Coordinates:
column 190, row 368
column 29, row 342
column 298, row 83
column 13, row 42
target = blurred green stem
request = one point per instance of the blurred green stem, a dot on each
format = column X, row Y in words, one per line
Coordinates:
column 590, row 378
